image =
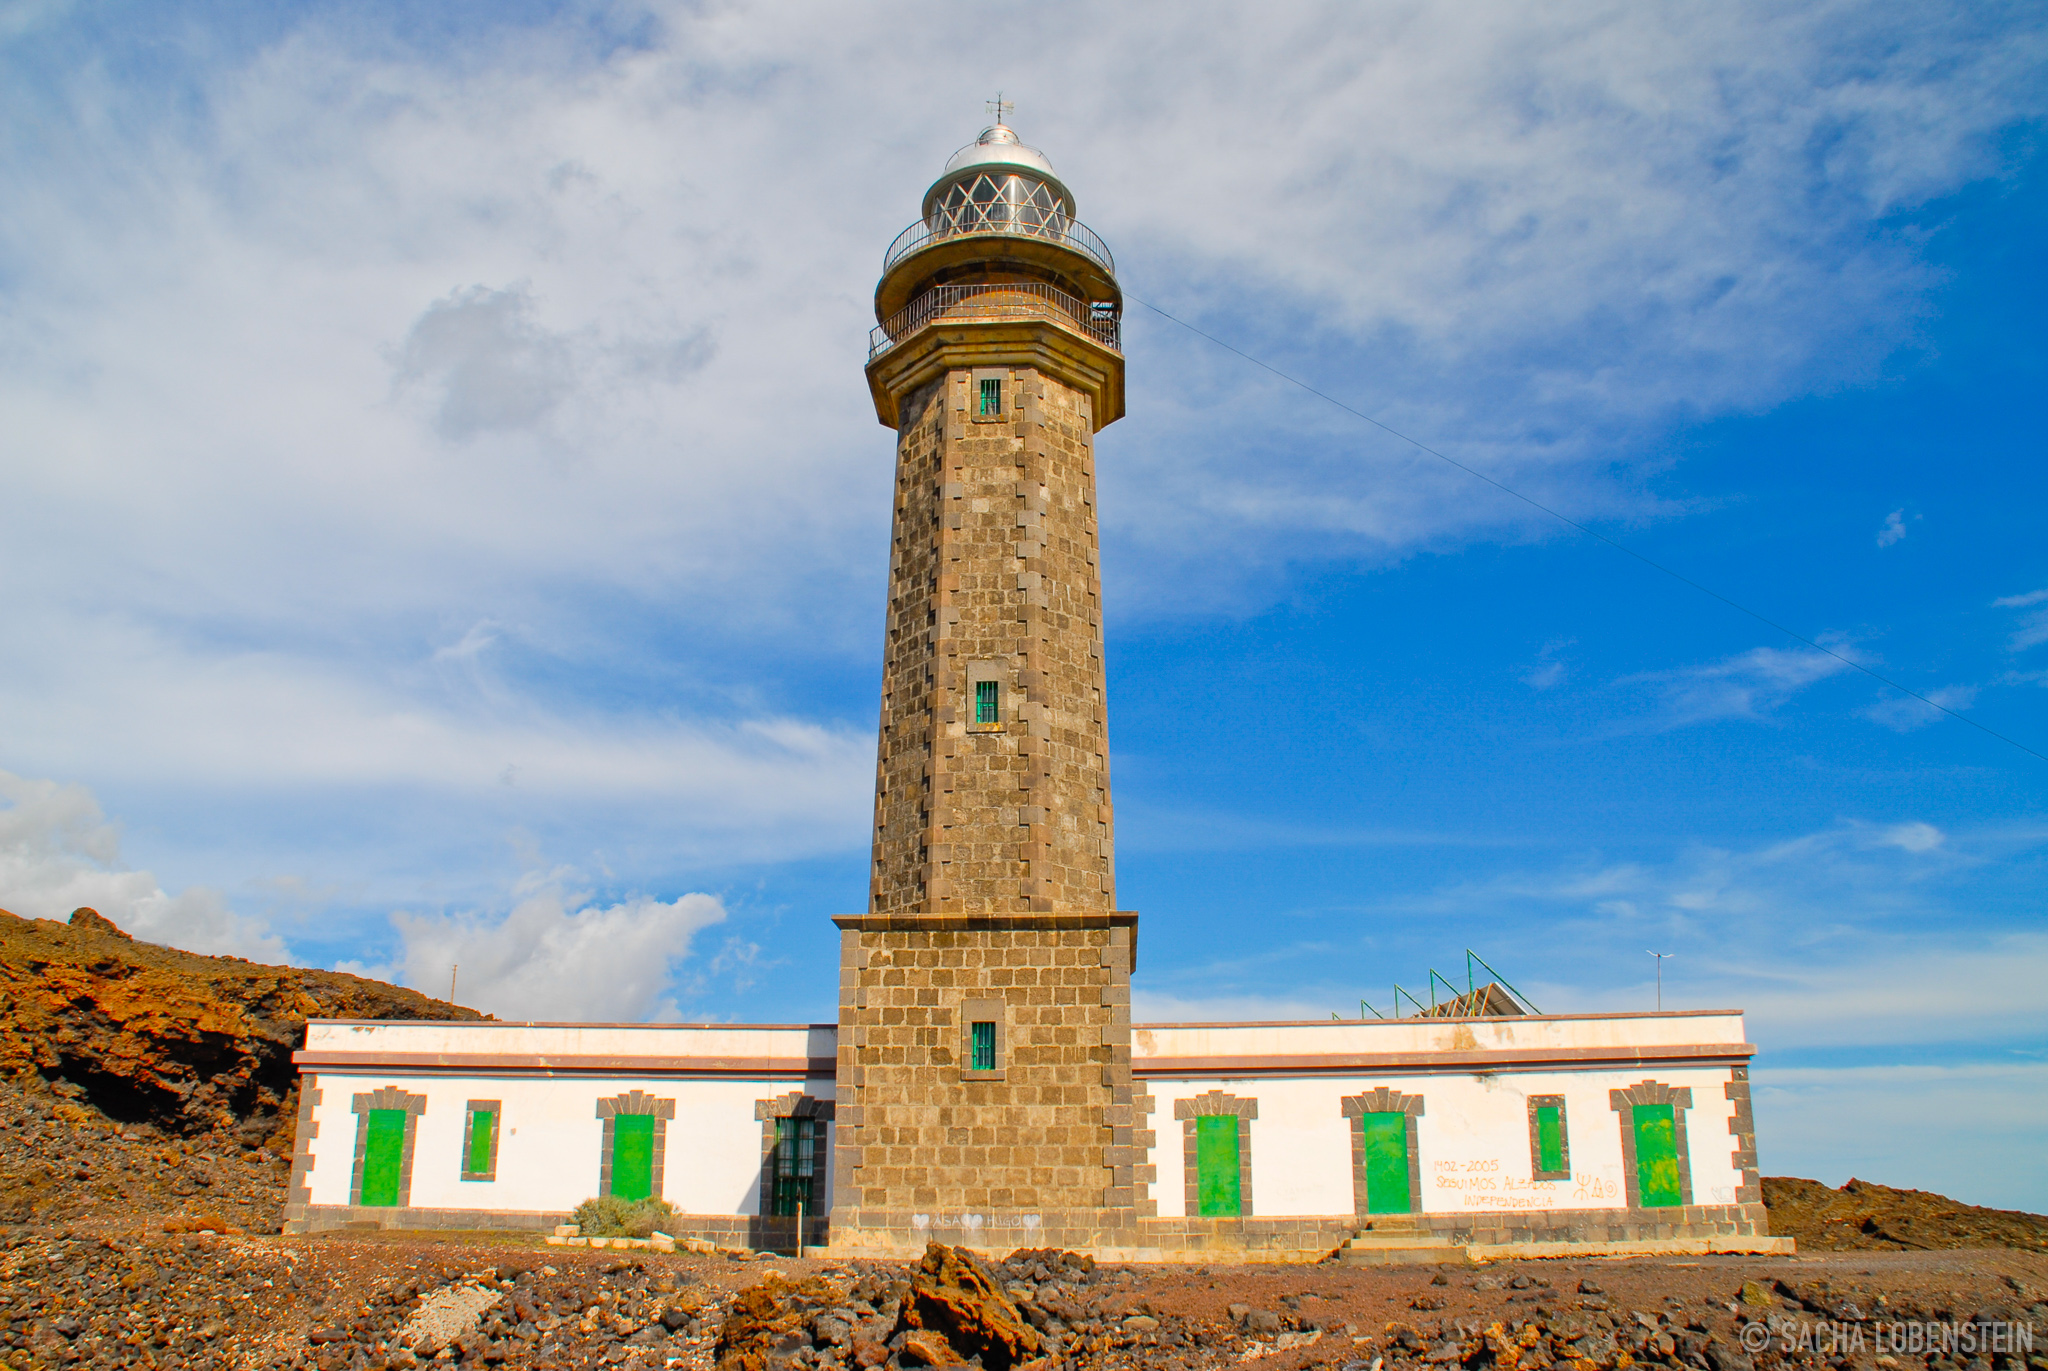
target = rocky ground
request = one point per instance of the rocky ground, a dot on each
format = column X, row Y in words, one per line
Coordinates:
column 121, row 1245
column 186, row 1043
column 1867, row 1217
column 139, row 1218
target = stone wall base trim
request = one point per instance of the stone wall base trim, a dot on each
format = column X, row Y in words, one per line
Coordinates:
column 1499, row 1228
column 1638, row 1247
column 725, row 1230
column 874, row 1232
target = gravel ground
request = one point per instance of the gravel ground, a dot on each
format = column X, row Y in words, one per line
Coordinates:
column 103, row 1264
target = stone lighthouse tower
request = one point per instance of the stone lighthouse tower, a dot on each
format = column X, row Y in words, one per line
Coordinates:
column 984, row 1084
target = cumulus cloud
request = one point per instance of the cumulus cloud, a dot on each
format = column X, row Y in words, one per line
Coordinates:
column 1894, row 528
column 58, row 852
column 557, row 955
column 557, row 328
column 490, row 365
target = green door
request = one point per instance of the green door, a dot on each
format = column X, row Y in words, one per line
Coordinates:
column 383, row 1157
column 1216, row 1166
column 1386, row 1163
column 633, row 1156
column 1656, row 1155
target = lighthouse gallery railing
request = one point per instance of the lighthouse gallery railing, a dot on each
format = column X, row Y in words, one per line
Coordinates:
column 997, row 300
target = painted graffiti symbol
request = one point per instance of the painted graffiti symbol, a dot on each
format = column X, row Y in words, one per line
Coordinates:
column 1591, row 1187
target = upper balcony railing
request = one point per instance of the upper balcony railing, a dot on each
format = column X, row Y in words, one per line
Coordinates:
column 998, row 300
column 1002, row 218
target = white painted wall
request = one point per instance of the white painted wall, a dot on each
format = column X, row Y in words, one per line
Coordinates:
column 596, row 1040
column 1472, row 1139
column 551, row 1140
column 1473, row 1136
column 1433, row 1035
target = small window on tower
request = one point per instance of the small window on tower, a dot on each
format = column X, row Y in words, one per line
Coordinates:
column 991, row 396
column 984, row 1049
column 987, row 703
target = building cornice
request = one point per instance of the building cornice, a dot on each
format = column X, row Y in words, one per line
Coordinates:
column 961, row 344
column 1477, row 1063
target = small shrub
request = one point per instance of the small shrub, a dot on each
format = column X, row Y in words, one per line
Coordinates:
column 608, row 1216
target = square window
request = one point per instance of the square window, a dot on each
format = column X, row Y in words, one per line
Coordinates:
column 987, row 703
column 983, row 1047
column 991, row 397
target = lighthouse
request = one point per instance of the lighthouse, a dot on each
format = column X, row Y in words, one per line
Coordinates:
column 984, row 1079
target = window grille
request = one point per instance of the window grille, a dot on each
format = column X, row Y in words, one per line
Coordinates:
column 984, row 1047
column 992, row 396
column 987, row 703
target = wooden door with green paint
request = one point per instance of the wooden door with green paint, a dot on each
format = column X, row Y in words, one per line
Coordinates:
column 633, row 1156
column 483, row 1133
column 1217, row 1167
column 1656, row 1155
column 1386, row 1163
column 383, row 1158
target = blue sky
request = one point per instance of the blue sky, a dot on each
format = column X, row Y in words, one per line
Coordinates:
column 446, row 520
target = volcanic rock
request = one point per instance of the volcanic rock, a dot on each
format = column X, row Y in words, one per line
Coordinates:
column 183, row 1042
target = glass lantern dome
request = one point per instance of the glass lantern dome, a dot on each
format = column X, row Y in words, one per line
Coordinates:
column 997, row 185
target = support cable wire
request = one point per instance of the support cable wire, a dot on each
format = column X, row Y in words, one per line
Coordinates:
column 1590, row 532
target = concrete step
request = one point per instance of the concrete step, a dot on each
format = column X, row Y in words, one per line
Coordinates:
column 1399, row 1244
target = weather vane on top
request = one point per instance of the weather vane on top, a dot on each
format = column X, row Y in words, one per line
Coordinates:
column 1000, row 107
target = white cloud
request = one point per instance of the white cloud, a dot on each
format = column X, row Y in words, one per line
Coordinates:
column 557, row 955
column 58, row 852
column 450, row 725
column 1550, row 669
column 1858, row 935
column 1903, row 713
column 1970, row 1132
column 1894, row 528
column 1914, row 837
column 2033, row 629
column 326, row 353
column 492, row 366
column 1748, row 685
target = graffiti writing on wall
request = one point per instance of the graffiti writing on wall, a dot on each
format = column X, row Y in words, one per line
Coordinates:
column 1489, row 1183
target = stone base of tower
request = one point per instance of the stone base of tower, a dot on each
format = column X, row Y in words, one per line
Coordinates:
column 878, row 1235
column 1019, row 1134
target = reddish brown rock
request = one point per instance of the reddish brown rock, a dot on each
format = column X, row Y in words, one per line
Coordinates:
column 149, row 1034
column 954, row 1295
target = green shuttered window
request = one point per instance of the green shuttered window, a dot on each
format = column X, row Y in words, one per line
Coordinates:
column 1550, row 1138
column 1386, row 1163
column 982, row 1057
column 633, row 1156
column 1216, row 1166
column 796, row 1166
column 383, row 1157
column 987, row 703
column 1656, row 1155
column 991, row 397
